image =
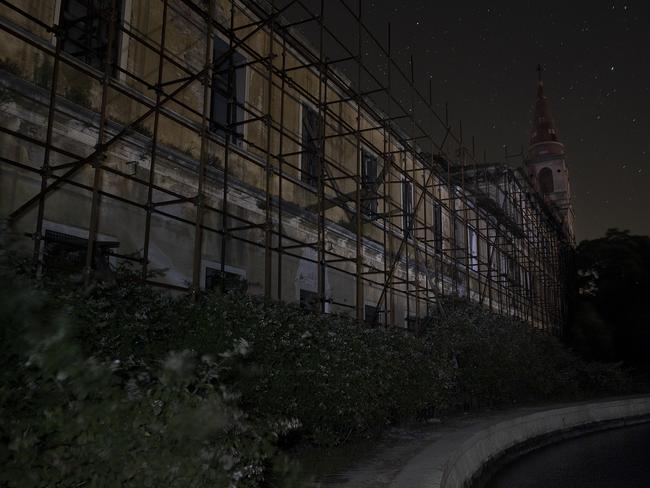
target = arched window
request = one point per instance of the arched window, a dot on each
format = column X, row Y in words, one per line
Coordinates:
column 545, row 178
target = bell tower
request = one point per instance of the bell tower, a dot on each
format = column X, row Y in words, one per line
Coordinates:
column 546, row 163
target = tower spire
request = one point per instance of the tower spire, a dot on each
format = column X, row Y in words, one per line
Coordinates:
column 545, row 160
column 543, row 127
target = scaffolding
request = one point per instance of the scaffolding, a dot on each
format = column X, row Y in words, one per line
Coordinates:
column 381, row 191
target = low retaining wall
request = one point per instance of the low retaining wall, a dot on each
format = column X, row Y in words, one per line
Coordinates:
column 486, row 450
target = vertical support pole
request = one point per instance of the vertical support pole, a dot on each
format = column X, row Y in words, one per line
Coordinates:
column 386, row 189
column 226, row 153
column 322, row 104
column 45, row 168
column 451, row 210
column 430, row 228
column 385, row 212
column 154, row 144
column 359, row 207
column 466, row 260
column 490, row 248
column 406, row 233
column 413, row 217
column 101, row 153
column 281, row 165
column 477, row 225
column 200, row 196
column 425, row 238
column 268, row 256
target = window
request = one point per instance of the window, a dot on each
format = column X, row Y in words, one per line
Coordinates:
column 460, row 238
column 437, row 227
column 411, row 322
column 513, row 271
column 231, row 281
column 87, row 25
column 228, row 92
column 472, row 242
column 545, row 178
column 372, row 315
column 369, row 182
column 492, row 258
column 525, row 278
column 312, row 126
column 309, row 300
column 65, row 252
column 503, row 264
column 407, row 206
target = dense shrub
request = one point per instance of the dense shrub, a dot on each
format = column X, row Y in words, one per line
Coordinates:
column 95, row 393
column 337, row 379
column 70, row 418
column 501, row 360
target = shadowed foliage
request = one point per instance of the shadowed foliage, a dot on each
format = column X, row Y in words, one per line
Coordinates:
column 612, row 318
column 123, row 384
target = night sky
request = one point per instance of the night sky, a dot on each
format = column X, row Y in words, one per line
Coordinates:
column 482, row 59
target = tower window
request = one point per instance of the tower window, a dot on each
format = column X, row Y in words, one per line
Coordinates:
column 545, row 178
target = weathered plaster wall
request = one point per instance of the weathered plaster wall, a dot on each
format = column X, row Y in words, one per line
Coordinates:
column 75, row 130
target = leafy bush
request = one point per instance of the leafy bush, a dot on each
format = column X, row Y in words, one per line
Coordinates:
column 74, row 419
column 127, row 384
column 340, row 380
column 501, row 360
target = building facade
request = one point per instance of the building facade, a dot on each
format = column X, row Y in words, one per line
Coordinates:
column 206, row 142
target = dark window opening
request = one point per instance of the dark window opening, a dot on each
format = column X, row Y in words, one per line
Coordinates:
column 493, row 258
column 309, row 300
column 228, row 92
column 312, row 126
column 545, row 181
column 412, row 323
column 369, row 182
column 460, row 238
column 214, row 280
column 372, row 315
column 407, row 206
column 472, row 247
column 513, row 271
column 64, row 252
column 87, row 25
column 503, row 265
column 437, row 227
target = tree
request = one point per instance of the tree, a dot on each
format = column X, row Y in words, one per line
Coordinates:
column 612, row 317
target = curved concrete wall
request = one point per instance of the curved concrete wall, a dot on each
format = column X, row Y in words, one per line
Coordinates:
column 479, row 450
